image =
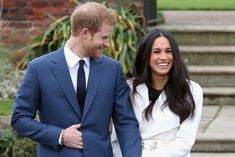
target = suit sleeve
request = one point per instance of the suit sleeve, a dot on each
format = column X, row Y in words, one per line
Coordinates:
column 186, row 135
column 25, row 109
column 125, row 123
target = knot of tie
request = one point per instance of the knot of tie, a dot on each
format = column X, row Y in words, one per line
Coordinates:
column 81, row 63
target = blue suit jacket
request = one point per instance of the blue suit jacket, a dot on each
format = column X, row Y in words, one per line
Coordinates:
column 47, row 89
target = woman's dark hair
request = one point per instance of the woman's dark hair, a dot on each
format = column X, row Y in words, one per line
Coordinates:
column 178, row 95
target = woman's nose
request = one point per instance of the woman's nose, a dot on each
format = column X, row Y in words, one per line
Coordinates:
column 163, row 56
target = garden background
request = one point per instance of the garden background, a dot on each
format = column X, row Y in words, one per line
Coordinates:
column 21, row 39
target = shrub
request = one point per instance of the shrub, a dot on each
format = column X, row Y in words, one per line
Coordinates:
column 12, row 145
column 10, row 76
column 127, row 34
column 7, row 138
column 123, row 43
column 24, row 147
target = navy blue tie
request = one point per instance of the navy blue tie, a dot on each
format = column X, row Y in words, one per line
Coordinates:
column 81, row 85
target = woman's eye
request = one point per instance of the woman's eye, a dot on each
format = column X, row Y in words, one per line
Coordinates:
column 156, row 51
column 169, row 51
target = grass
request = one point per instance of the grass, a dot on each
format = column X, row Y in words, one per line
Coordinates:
column 6, row 106
column 196, row 4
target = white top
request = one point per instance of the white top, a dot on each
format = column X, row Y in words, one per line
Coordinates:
column 73, row 65
column 163, row 135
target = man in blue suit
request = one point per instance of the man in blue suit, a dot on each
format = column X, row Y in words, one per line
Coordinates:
column 74, row 118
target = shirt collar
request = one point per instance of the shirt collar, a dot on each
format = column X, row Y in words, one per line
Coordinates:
column 72, row 59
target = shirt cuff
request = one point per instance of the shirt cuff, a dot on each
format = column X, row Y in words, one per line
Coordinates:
column 60, row 139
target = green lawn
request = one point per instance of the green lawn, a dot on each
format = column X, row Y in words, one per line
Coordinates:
column 196, row 4
column 6, row 106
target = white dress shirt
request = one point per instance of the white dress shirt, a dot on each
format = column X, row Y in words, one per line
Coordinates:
column 72, row 61
column 73, row 64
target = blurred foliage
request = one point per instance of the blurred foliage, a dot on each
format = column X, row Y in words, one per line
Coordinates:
column 24, row 147
column 160, row 17
column 10, row 76
column 4, row 52
column 12, row 145
column 54, row 37
column 6, row 106
column 196, row 5
column 123, row 43
column 7, row 138
column 127, row 33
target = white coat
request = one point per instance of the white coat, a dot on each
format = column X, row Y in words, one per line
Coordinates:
column 163, row 135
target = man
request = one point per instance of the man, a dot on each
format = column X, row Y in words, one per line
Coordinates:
column 76, row 99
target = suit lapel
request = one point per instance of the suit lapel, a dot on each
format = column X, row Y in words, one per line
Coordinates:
column 62, row 75
column 93, row 81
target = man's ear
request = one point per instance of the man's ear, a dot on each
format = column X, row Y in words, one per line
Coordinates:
column 85, row 33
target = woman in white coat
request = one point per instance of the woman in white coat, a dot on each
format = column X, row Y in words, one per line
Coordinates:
column 167, row 104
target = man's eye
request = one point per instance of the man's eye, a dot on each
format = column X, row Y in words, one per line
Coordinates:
column 104, row 38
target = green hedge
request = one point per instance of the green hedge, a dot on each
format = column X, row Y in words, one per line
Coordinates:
column 24, row 147
column 7, row 138
column 12, row 145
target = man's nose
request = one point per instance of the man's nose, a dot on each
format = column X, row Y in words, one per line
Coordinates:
column 106, row 43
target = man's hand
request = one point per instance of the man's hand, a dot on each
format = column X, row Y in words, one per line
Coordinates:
column 72, row 137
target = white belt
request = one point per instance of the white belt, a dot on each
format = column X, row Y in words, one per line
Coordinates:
column 152, row 144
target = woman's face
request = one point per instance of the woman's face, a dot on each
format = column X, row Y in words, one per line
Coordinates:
column 161, row 58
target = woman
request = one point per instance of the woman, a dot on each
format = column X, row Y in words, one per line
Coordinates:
column 167, row 104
